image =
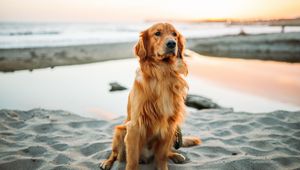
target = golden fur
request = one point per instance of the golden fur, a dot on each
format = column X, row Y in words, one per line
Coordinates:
column 155, row 104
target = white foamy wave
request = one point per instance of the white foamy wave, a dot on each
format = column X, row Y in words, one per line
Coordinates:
column 27, row 35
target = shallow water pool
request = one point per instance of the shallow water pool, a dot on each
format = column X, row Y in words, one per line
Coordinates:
column 84, row 90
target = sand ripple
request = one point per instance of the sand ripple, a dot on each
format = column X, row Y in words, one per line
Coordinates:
column 43, row 139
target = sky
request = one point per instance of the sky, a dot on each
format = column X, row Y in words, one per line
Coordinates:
column 140, row 10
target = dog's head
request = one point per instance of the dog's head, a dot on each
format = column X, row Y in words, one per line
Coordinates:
column 161, row 43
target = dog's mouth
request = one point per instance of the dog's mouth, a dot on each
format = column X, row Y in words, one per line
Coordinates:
column 167, row 56
column 170, row 52
column 166, row 59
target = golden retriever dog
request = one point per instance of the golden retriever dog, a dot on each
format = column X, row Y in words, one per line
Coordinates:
column 155, row 104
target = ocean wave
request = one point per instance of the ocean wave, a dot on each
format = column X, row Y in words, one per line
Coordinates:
column 26, row 35
column 30, row 33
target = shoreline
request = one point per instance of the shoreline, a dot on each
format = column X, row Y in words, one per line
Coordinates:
column 236, row 83
column 272, row 46
column 85, row 89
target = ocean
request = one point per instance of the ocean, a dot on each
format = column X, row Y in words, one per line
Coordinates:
column 27, row 35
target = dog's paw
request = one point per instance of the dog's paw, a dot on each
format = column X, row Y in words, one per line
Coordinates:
column 105, row 165
column 177, row 158
column 188, row 141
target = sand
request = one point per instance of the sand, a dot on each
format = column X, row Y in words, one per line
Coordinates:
column 273, row 46
column 48, row 139
column 41, row 57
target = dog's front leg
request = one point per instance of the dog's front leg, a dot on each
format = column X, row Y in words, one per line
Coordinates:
column 117, row 148
column 162, row 151
column 133, row 149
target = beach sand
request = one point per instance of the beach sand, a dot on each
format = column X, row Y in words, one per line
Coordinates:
column 45, row 139
column 42, row 57
column 272, row 46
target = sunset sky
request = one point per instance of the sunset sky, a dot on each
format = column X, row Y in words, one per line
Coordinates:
column 139, row 10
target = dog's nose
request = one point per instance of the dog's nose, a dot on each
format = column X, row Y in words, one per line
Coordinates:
column 171, row 44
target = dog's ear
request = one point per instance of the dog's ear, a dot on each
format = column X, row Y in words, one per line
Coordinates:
column 181, row 64
column 140, row 48
column 181, row 45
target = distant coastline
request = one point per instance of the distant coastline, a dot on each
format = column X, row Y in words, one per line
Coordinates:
column 230, row 21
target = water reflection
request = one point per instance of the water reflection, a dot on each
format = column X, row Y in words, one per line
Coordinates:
column 274, row 80
column 84, row 89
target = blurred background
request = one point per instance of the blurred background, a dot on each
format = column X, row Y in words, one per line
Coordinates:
column 242, row 54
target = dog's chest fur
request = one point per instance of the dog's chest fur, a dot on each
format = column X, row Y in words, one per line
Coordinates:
column 164, row 97
column 159, row 100
column 158, row 95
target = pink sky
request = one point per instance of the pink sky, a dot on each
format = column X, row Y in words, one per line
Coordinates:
column 139, row 10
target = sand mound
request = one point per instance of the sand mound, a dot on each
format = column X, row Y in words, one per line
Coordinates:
column 43, row 139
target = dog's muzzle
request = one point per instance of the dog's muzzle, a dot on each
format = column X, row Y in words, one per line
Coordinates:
column 170, row 47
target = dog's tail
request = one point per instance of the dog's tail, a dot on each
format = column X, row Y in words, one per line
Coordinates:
column 188, row 141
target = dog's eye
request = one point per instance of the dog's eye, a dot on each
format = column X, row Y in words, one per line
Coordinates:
column 174, row 34
column 157, row 33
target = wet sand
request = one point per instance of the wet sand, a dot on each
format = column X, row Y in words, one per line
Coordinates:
column 42, row 57
column 272, row 46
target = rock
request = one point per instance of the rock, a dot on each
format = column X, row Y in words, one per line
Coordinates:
column 242, row 33
column 115, row 86
column 200, row 102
